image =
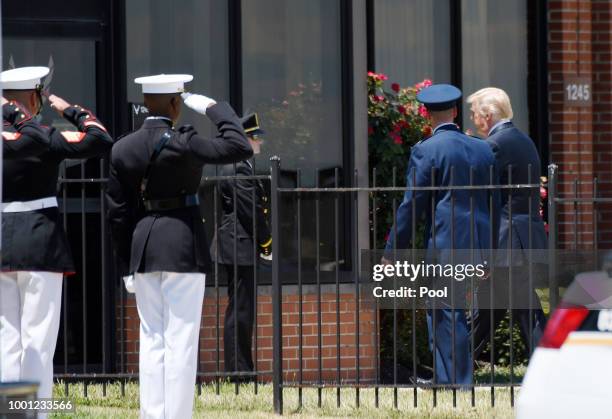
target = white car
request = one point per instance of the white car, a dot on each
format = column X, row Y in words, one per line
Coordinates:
column 570, row 372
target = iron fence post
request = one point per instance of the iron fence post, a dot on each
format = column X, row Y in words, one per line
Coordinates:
column 277, row 292
column 552, row 236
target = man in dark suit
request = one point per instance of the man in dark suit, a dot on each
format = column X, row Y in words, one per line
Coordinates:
column 521, row 227
column 159, row 234
column 35, row 250
column 244, row 236
column 455, row 159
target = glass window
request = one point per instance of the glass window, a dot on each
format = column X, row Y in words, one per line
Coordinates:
column 494, row 45
column 412, row 40
column 292, row 78
column 179, row 36
column 72, row 76
column 74, row 83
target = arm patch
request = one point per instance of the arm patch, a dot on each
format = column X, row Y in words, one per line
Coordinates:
column 73, row 136
column 10, row 136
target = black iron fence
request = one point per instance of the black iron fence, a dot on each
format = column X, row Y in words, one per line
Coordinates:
column 324, row 329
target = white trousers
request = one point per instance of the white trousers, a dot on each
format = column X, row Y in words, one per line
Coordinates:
column 30, row 306
column 170, row 310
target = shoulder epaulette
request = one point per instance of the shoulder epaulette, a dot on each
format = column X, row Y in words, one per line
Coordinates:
column 185, row 128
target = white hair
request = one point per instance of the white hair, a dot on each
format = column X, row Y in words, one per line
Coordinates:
column 491, row 101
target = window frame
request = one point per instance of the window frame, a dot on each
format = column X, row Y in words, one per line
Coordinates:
column 537, row 65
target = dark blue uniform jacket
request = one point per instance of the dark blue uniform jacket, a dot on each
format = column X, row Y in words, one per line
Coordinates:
column 454, row 157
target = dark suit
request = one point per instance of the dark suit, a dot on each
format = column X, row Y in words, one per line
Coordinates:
column 448, row 147
column 172, row 240
column 514, row 152
column 246, row 214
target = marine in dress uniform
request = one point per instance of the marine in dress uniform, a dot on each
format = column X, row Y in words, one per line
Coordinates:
column 447, row 148
column 515, row 153
column 244, row 205
column 158, row 233
column 36, row 254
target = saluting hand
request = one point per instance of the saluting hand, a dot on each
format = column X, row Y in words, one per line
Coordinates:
column 198, row 103
column 58, row 104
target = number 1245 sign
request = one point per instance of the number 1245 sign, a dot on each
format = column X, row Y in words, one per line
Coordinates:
column 578, row 91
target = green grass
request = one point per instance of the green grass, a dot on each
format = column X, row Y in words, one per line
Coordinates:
column 501, row 374
column 250, row 405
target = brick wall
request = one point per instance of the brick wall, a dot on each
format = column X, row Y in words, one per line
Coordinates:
column 579, row 36
column 208, row 334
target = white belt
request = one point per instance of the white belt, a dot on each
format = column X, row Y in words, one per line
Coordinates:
column 22, row 206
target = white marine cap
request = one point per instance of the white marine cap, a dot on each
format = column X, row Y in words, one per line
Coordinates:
column 23, row 78
column 164, row 83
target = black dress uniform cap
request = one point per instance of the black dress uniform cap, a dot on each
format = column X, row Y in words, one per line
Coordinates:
column 439, row 97
column 23, row 78
column 250, row 123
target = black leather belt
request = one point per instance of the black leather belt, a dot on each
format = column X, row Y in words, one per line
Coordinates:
column 171, row 203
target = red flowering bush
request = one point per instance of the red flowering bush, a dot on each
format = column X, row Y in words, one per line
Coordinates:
column 396, row 121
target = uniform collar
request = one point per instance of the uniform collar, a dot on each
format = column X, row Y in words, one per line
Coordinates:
column 502, row 124
column 157, row 122
column 159, row 117
column 445, row 127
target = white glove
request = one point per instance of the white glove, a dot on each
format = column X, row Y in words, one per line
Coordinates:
column 129, row 283
column 198, row 103
column 266, row 257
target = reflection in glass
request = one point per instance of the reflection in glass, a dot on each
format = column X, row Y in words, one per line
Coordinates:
column 412, row 40
column 74, row 83
column 179, row 36
column 495, row 52
column 291, row 77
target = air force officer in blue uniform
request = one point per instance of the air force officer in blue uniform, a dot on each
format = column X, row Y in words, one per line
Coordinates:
column 447, row 148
